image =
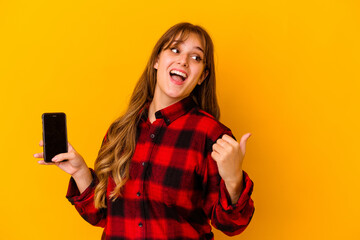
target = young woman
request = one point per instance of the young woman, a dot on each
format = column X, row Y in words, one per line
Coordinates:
column 167, row 167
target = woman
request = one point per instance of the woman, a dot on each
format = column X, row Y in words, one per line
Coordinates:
column 167, row 166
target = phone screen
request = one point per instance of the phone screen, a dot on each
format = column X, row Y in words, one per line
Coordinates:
column 54, row 135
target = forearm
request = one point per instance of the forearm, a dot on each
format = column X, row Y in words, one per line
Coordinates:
column 235, row 188
column 83, row 178
column 84, row 202
column 233, row 218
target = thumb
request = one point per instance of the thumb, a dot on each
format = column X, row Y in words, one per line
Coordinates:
column 70, row 147
column 243, row 140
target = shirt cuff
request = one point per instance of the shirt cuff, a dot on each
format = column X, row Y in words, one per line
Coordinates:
column 225, row 200
column 73, row 193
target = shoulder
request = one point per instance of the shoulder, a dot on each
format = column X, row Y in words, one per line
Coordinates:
column 208, row 124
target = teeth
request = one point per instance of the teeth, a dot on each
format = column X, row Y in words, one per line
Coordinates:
column 179, row 73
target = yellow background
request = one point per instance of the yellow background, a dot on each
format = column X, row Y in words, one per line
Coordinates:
column 288, row 72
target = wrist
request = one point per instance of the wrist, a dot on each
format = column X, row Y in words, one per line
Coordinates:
column 83, row 178
column 234, row 187
column 82, row 173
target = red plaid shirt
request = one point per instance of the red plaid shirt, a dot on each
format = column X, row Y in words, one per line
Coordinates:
column 174, row 188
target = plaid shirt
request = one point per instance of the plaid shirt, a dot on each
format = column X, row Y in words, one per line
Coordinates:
column 174, row 188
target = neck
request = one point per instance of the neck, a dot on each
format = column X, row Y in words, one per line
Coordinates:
column 159, row 103
column 155, row 106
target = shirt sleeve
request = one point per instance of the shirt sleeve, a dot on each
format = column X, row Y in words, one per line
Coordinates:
column 231, row 219
column 84, row 202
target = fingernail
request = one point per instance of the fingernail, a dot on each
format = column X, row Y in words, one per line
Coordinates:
column 54, row 159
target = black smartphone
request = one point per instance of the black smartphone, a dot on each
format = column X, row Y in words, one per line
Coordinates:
column 54, row 135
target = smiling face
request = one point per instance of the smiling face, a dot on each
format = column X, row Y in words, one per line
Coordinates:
column 180, row 67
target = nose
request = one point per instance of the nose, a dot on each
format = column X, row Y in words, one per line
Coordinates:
column 183, row 60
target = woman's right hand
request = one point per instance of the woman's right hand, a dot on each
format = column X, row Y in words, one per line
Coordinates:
column 74, row 166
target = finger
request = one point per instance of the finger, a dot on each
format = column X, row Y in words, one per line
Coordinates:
column 39, row 155
column 41, row 143
column 243, row 140
column 42, row 162
column 70, row 147
column 224, row 144
column 215, row 156
column 63, row 156
column 221, row 142
column 229, row 140
column 218, row 148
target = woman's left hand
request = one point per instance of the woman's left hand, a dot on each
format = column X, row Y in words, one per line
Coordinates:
column 229, row 155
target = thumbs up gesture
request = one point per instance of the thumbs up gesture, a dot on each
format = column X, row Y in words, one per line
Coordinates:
column 229, row 155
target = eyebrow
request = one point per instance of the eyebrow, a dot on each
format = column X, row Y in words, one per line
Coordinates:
column 200, row 49
column 176, row 42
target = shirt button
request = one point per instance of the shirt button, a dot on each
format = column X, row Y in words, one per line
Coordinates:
column 81, row 210
column 140, row 225
column 138, row 194
column 152, row 135
column 143, row 163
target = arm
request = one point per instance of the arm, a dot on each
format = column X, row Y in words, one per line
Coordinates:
column 229, row 156
column 228, row 203
column 84, row 202
column 82, row 184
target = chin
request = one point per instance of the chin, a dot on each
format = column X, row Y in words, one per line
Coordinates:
column 176, row 96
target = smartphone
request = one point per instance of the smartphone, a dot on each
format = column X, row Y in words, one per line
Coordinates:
column 54, row 135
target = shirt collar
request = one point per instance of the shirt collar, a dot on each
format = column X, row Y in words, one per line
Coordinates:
column 172, row 112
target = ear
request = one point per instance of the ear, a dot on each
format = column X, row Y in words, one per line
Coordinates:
column 203, row 76
column 156, row 65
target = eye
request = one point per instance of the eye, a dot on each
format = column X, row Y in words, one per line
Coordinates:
column 196, row 58
column 175, row 50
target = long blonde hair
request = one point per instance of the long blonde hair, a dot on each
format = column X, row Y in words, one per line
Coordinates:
column 116, row 152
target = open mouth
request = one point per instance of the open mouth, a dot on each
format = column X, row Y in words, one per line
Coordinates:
column 178, row 76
